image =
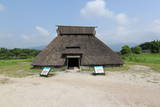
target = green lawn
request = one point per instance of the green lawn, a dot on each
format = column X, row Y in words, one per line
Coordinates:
column 151, row 60
column 17, row 68
column 143, row 58
column 124, row 67
column 13, row 62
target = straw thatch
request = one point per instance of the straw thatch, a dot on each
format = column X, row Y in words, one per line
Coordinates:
column 77, row 40
column 73, row 30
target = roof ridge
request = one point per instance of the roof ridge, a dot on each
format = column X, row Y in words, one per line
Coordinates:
column 75, row 26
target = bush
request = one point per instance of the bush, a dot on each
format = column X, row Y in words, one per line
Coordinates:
column 137, row 50
column 125, row 50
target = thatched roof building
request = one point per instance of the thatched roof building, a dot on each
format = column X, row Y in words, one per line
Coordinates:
column 77, row 46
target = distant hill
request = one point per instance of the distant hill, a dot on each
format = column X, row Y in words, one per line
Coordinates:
column 38, row 47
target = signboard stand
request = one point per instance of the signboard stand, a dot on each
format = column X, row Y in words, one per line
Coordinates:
column 98, row 70
column 45, row 71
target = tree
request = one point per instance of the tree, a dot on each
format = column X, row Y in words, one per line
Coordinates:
column 3, row 53
column 153, row 46
column 17, row 53
column 23, row 56
column 137, row 50
column 125, row 50
column 3, row 50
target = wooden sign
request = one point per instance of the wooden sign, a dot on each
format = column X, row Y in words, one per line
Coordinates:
column 45, row 71
column 99, row 69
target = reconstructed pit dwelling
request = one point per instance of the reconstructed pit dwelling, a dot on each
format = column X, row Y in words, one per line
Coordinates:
column 77, row 46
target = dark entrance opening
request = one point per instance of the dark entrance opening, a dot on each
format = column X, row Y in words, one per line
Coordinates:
column 73, row 62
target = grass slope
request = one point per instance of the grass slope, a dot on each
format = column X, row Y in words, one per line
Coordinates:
column 151, row 60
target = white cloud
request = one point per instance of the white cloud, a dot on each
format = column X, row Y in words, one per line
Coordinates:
column 23, row 40
column 122, row 19
column 121, row 30
column 6, row 35
column 126, row 35
column 2, row 7
column 131, row 35
column 96, row 8
column 40, row 38
column 124, row 30
column 26, row 37
column 156, row 26
column 42, row 31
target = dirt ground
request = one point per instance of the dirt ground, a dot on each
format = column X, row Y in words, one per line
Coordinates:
column 132, row 88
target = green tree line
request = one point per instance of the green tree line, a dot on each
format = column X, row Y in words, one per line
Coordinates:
column 152, row 47
column 17, row 53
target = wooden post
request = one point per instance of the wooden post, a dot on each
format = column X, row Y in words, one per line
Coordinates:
column 79, row 62
column 67, row 63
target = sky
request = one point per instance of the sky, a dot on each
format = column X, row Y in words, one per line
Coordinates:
column 32, row 23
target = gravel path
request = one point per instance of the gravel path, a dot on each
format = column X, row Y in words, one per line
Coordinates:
column 115, row 89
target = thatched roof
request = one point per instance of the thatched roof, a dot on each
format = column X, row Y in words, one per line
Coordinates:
column 72, row 51
column 69, row 30
column 93, row 51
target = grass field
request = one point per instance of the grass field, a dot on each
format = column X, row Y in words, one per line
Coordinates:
column 151, row 60
column 143, row 58
column 17, row 68
column 22, row 67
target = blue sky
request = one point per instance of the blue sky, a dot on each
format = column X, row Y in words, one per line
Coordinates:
column 31, row 23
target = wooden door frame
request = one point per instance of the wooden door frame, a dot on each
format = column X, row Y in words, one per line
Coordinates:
column 79, row 61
